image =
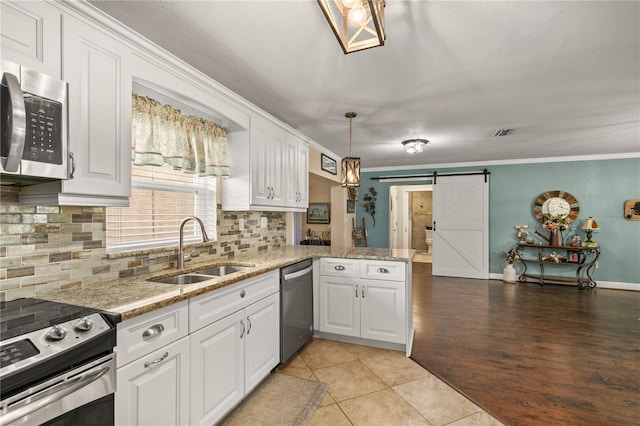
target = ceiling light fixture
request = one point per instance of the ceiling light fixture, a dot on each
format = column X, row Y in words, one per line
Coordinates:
column 350, row 165
column 357, row 24
column 414, row 146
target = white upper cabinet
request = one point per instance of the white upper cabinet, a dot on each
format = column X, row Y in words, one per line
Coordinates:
column 30, row 33
column 96, row 67
column 269, row 169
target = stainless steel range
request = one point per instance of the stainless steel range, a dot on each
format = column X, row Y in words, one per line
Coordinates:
column 57, row 365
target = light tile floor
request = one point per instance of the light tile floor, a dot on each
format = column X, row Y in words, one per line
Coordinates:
column 371, row 386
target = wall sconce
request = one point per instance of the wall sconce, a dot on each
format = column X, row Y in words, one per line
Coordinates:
column 357, row 24
column 589, row 226
column 414, row 146
column 350, row 165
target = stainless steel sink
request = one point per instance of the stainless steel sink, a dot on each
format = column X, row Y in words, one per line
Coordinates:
column 183, row 279
column 221, row 270
column 202, row 274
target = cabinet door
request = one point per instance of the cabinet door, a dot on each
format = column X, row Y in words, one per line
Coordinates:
column 382, row 305
column 96, row 66
column 277, row 166
column 217, row 369
column 260, row 185
column 262, row 339
column 340, row 306
column 302, row 170
column 154, row 390
column 30, row 33
column 291, row 158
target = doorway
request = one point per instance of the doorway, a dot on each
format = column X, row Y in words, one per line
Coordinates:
column 411, row 218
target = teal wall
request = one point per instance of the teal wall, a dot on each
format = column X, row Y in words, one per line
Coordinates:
column 601, row 188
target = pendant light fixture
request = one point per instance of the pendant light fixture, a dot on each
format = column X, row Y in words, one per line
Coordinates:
column 357, row 24
column 350, row 165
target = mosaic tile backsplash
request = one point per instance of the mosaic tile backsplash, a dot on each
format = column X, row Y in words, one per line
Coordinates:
column 47, row 248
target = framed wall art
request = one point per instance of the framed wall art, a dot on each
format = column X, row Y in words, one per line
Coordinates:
column 318, row 213
column 328, row 164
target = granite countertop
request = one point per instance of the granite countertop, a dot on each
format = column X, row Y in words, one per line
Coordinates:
column 134, row 296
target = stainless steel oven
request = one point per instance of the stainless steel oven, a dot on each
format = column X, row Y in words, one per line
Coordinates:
column 34, row 114
column 57, row 364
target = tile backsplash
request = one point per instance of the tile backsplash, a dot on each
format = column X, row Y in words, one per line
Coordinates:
column 47, row 248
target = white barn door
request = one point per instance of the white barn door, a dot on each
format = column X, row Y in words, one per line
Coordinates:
column 461, row 226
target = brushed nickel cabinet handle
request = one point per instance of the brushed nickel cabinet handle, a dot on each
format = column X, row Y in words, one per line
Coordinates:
column 162, row 358
column 339, row 268
column 383, row 270
column 152, row 331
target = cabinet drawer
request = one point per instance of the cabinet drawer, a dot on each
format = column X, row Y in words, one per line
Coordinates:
column 382, row 270
column 210, row 307
column 335, row 267
column 148, row 332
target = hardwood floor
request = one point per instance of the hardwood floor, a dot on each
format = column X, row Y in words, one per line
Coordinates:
column 531, row 355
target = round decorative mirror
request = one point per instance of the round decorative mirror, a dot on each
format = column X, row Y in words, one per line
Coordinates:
column 556, row 203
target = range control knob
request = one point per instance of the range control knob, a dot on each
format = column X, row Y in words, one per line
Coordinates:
column 85, row 324
column 55, row 333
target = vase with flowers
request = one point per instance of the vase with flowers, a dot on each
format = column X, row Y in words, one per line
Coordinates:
column 555, row 224
column 509, row 272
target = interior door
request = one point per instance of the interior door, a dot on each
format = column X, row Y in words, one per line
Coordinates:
column 461, row 226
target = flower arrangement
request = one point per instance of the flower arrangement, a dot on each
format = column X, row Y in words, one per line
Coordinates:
column 511, row 256
column 554, row 223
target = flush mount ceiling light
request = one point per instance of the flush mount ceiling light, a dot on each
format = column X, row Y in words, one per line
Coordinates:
column 414, row 146
column 357, row 24
column 350, row 165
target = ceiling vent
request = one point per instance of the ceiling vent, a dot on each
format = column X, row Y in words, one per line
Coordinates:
column 502, row 132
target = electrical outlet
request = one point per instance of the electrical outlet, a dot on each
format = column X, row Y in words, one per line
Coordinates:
column 263, row 222
column 241, row 224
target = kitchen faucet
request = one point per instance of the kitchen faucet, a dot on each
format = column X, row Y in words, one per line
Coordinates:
column 205, row 238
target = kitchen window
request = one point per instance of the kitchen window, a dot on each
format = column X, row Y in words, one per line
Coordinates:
column 160, row 198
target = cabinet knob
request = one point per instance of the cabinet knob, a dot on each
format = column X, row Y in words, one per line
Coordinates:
column 243, row 293
column 152, row 331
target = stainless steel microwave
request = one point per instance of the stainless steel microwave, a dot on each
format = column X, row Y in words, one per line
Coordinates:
column 33, row 121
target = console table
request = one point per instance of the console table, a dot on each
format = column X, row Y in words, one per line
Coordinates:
column 582, row 259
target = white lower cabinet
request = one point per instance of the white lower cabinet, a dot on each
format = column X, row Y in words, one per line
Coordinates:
column 190, row 363
column 369, row 308
column 154, row 390
column 231, row 356
column 153, row 368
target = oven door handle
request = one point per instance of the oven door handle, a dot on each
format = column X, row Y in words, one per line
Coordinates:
column 17, row 122
column 47, row 396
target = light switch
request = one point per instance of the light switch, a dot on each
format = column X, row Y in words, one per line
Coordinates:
column 263, row 222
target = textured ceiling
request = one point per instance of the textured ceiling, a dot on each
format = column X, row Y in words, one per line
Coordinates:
column 564, row 75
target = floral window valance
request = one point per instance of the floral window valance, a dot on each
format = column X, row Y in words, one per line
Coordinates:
column 162, row 134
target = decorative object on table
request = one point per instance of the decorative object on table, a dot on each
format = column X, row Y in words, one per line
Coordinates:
column 556, row 203
column 554, row 257
column 350, row 165
column 589, row 226
column 575, row 241
column 357, row 25
column 328, row 164
column 573, row 256
column 632, row 209
column 555, row 224
column 509, row 272
column 370, row 203
column 318, row 213
column 522, row 232
column 351, row 206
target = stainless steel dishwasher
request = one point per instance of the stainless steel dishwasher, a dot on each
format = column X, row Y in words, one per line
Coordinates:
column 296, row 307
